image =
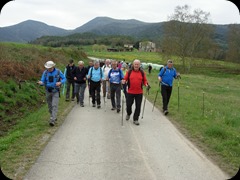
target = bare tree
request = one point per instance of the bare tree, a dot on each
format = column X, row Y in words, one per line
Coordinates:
column 184, row 32
column 233, row 52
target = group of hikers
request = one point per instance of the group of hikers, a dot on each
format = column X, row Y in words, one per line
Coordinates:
column 112, row 77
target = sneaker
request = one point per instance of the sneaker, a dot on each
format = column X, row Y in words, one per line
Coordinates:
column 136, row 122
column 67, row 100
column 127, row 117
column 98, row 106
column 165, row 112
column 118, row 110
column 94, row 105
column 51, row 123
column 82, row 105
column 113, row 108
column 72, row 99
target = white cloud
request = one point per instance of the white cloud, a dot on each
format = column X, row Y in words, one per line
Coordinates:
column 71, row 14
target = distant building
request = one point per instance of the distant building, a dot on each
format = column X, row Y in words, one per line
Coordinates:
column 128, row 47
column 147, row 46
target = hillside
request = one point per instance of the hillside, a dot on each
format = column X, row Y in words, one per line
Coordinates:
column 30, row 30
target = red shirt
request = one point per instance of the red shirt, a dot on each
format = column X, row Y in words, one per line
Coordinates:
column 136, row 80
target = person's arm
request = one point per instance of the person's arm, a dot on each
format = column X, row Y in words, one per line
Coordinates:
column 42, row 81
column 125, row 79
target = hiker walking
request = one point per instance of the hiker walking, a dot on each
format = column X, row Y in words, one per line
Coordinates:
column 149, row 69
column 95, row 76
column 135, row 78
column 80, row 77
column 165, row 77
column 70, row 81
column 115, row 76
column 90, row 64
column 52, row 78
column 105, row 83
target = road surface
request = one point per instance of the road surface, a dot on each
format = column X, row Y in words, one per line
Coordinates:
column 92, row 144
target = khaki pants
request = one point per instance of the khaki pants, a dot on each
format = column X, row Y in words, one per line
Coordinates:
column 106, row 89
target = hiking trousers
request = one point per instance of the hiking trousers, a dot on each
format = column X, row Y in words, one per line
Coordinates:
column 69, row 84
column 52, row 101
column 95, row 88
column 138, row 101
column 116, row 90
column 79, row 92
column 166, row 92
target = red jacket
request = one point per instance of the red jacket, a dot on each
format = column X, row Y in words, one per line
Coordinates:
column 136, row 80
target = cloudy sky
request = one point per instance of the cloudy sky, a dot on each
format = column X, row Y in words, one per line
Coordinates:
column 70, row 14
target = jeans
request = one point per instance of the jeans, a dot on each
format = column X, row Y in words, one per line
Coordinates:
column 79, row 92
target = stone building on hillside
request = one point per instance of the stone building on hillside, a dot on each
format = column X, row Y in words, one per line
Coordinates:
column 147, row 46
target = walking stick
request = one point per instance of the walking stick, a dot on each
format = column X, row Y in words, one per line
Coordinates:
column 64, row 86
column 156, row 98
column 179, row 77
column 122, row 102
column 147, row 93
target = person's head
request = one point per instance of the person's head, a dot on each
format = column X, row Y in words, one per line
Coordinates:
column 71, row 62
column 90, row 63
column 114, row 64
column 124, row 65
column 107, row 62
column 80, row 64
column 49, row 65
column 170, row 63
column 136, row 65
column 96, row 64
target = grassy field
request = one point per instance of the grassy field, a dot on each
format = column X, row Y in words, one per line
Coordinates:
column 207, row 109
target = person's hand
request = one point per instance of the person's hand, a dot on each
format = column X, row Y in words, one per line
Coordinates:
column 75, row 78
column 123, row 81
column 58, row 84
column 148, row 87
column 178, row 76
column 40, row 82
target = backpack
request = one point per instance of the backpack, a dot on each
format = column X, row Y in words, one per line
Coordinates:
column 164, row 70
column 129, row 73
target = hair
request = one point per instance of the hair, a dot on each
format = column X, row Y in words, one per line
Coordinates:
column 71, row 61
column 80, row 62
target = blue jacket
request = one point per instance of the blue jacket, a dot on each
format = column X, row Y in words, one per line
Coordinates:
column 95, row 74
column 57, row 76
column 167, row 75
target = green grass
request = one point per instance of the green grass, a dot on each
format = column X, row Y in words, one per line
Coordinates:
column 21, row 146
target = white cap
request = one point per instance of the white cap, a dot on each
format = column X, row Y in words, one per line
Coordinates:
column 49, row 64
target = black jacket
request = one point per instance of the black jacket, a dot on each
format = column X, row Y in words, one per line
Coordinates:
column 80, row 74
column 69, row 71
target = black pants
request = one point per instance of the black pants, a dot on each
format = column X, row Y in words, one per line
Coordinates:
column 69, row 84
column 95, row 87
column 115, row 92
column 166, row 94
column 138, row 102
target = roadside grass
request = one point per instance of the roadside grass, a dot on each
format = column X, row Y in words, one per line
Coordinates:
column 21, row 146
column 213, row 125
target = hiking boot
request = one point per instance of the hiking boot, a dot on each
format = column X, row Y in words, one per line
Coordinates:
column 98, row 106
column 94, row 105
column 82, row 105
column 127, row 117
column 118, row 110
column 51, row 123
column 73, row 99
column 165, row 112
column 113, row 108
column 136, row 122
column 67, row 100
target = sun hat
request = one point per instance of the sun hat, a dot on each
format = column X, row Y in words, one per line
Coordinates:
column 49, row 64
column 170, row 61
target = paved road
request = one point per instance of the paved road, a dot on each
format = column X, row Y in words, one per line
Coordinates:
column 92, row 144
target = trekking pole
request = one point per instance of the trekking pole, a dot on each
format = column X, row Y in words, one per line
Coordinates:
column 104, row 99
column 156, row 97
column 64, row 86
column 178, row 94
column 147, row 93
column 123, row 96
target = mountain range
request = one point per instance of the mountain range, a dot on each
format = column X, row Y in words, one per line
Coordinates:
column 30, row 30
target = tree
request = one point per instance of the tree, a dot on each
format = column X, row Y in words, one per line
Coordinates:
column 184, row 32
column 233, row 52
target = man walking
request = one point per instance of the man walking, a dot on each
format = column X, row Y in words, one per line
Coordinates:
column 165, row 77
column 115, row 76
column 70, row 81
column 105, row 83
column 52, row 79
column 135, row 78
column 95, row 76
column 80, row 77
